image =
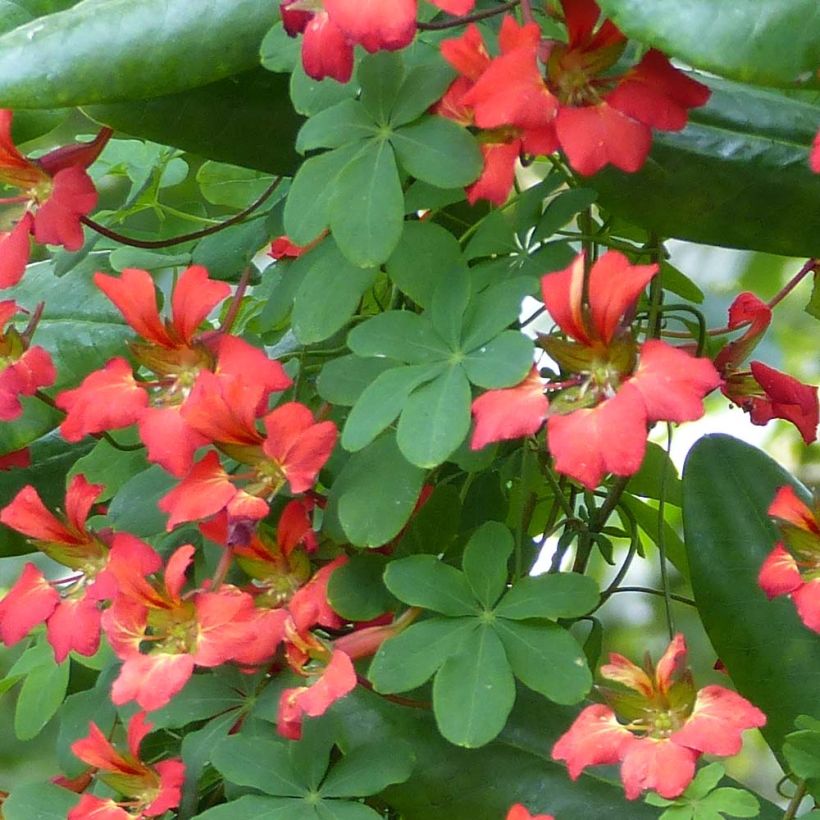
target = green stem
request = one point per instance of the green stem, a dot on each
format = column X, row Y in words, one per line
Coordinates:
column 794, row 803
column 659, row 592
column 670, row 624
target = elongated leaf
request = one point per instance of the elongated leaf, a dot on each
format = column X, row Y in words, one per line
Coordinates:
column 501, row 362
column 259, row 763
column 485, row 561
column 423, row 85
column 43, row 801
column 436, row 419
column 245, row 120
column 41, row 695
column 367, row 206
column 96, row 51
column 401, row 335
column 356, row 590
column 474, row 691
column 737, row 176
column 755, row 41
column 380, row 76
column 413, row 656
column 347, row 121
column 255, row 807
column 373, row 496
column 344, row 379
column 425, row 581
column 771, row 657
column 367, row 770
column 558, row 595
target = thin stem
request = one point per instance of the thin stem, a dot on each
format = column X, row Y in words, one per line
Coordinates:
column 526, row 11
column 659, row 592
column 557, row 490
column 453, row 22
column 236, row 301
column 528, row 503
column 794, row 803
column 188, row 237
column 222, row 568
column 33, row 321
column 670, row 624
column 597, row 519
column 655, row 292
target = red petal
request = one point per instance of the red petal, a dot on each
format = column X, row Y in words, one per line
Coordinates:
column 623, row 671
column 374, row 24
column 80, row 154
column 595, row 738
column 295, row 526
column 225, row 624
column 195, row 296
column 672, row 383
column 176, row 569
column 786, row 398
column 657, row 764
column 138, row 728
column 92, row 807
column 135, row 296
column 746, row 309
column 580, row 17
column 29, row 602
column 511, row 413
column 19, row 458
column 562, row 293
column 455, row 6
column 807, row 601
column 151, row 680
column 519, row 812
column 338, row 678
column 27, row 514
column 169, row 439
column 171, row 780
column 814, row 156
column 779, row 574
column 326, row 51
column 597, row 135
column 202, row 493
column 74, row 626
column 610, row 438
column 467, row 54
column 498, row 174
column 237, row 358
column 789, row 508
column 57, row 220
column 107, row 399
column 96, row 750
column 310, row 605
column 79, row 499
column 294, row 21
column 717, row 721
column 614, row 285
column 672, row 662
column 14, row 251
column 15, row 169
column 264, row 636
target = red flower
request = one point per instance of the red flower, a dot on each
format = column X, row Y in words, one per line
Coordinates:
column 23, row 369
column 668, row 725
column 793, row 566
column 150, row 790
column 814, row 155
column 71, row 614
column 57, row 192
column 519, row 812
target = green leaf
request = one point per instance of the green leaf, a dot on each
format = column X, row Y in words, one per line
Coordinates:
column 771, row 657
column 813, row 307
column 398, row 334
column 367, row 770
column 346, row 810
column 757, row 41
column 802, row 751
column 356, row 590
column 328, row 295
column 647, row 519
column 426, row 253
column 485, row 561
column 562, row 209
column 495, row 309
column 259, row 763
column 223, row 184
column 450, row 300
column 677, row 282
column 347, row 121
column 704, row 781
column 254, row 807
column 228, row 251
column 438, row 151
column 435, row 419
column 734, row 802
column 14, row 13
column 366, row 208
column 655, row 469
column 502, row 362
column 256, row 122
column 307, row 209
column 382, row 401
column 311, row 96
column 423, row 85
column 552, row 595
column 39, row 801
column 546, row 658
column 279, row 51
column 310, row 756
column 413, row 656
column 107, row 465
column 426, row 581
column 58, row 60
column 41, row 695
column 737, row 176
column 474, row 691
column 202, row 697
column 380, row 76
column 344, row 379
column 434, row 525
column 134, row 507
column 373, row 496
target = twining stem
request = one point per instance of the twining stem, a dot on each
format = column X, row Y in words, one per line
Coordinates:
column 597, row 519
column 149, row 244
column 659, row 592
column 454, row 22
column 528, row 502
column 794, row 803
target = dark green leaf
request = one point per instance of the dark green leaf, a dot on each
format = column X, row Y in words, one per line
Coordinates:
column 771, row 657
column 756, row 41
column 356, row 590
column 485, row 561
column 59, row 61
column 382, row 401
column 366, row 208
column 450, row 299
column 435, row 525
column 253, row 807
column 737, row 176
column 412, row 657
column 202, row 697
column 41, row 695
column 311, row 96
column 328, row 295
column 438, row 151
column 134, row 507
column 244, row 120
column 426, row 253
column 39, row 801
column 435, row 419
column 423, row 85
column 368, row 770
column 373, row 496
column 563, row 208
column 554, row 595
column 657, row 468
column 502, row 362
column 678, row 283
column 107, row 465
column 426, row 581
column 347, row 121
column 380, row 76
column 399, row 334
column 474, row 691
column 228, row 251
column 259, row 763
column 343, row 380
column 647, row 519
column 546, row 658
column 231, row 185
column 494, row 309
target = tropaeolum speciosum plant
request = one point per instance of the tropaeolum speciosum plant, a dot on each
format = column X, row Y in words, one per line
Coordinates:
column 343, row 346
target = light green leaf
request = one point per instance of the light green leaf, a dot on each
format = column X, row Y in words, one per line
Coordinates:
column 426, row 581
column 230, row 185
column 41, row 695
column 485, row 561
column 423, row 85
column 398, row 334
column 502, row 362
column 253, row 807
column 344, row 379
column 552, row 595
column 347, row 121
column 38, row 801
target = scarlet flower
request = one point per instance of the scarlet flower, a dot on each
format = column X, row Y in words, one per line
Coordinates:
column 659, row 729
column 616, row 387
column 69, row 607
column 150, row 790
column 57, row 192
column 23, row 369
column 814, row 155
column 519, row 812
column 793, row 566
column 176, row 353
column 763, row 392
